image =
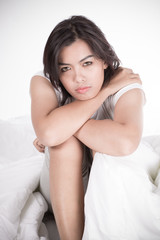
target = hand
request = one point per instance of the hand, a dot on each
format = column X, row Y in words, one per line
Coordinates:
column 38, row 145
column 122, row 78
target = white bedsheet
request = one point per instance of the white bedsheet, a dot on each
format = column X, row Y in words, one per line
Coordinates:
column 21, row 205
column 21, row 210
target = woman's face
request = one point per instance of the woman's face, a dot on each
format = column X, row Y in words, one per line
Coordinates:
column 80, row 72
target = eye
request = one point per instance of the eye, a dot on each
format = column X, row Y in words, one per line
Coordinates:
column 87, row 63
column 65, row 69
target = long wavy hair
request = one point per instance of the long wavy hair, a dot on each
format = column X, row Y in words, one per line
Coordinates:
column 67, row 32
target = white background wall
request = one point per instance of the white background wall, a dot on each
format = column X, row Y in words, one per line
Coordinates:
column 131, row 26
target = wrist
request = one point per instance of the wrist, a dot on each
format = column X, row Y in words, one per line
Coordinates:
column 76, row 134
column 82, row 132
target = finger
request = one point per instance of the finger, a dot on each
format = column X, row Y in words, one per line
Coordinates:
column 136, row 78
column 135, row 75
column 41, row 145
column 125, row 69
column 130, row 70
column 34, row 141
column 35, row 144
column 39, row 148
column 38, row 143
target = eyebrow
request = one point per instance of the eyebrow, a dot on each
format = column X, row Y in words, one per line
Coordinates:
column 89, row 56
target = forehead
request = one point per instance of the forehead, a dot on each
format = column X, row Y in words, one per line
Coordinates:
column 76, row 51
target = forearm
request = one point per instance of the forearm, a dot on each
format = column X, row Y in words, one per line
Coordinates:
column 54, row 125
column 109, row 137
column 62, row 123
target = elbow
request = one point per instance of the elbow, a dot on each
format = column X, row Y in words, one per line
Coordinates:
column 129, row 145
column 48, row 136
column 45, row 137
column 50, row 139
column 46, row 140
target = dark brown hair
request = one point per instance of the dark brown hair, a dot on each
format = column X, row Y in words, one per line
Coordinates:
column 67, row 32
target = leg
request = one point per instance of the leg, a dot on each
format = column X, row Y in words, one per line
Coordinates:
column 66, row 188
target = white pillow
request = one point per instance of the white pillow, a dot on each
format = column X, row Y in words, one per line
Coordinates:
column 154, row 141
column 16, row 139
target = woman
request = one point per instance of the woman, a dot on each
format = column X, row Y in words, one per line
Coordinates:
column 88, row 102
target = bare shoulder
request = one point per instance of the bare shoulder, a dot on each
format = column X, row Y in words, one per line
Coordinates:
column 129, row 106
column 132, row 96
column 38, row 84
column 43, row 97
column 40, row 87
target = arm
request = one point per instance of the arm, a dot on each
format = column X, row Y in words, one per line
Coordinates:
column 121, row 135
column 54, row 125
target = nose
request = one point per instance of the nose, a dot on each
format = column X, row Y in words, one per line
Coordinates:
column 78, row 76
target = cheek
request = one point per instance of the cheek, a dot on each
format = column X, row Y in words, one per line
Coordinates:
column 63, row 80
column 66, row 84
column 99, row 76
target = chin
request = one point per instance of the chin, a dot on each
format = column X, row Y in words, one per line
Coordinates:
column 83, row 98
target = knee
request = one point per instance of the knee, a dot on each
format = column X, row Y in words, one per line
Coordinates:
column 69, row 149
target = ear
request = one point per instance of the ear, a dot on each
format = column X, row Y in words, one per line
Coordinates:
column 105, row 65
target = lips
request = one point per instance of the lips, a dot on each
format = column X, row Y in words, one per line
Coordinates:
column 83, row 89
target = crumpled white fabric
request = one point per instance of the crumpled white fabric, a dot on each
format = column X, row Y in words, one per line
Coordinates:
column 18, row 180
column 31, row 225
column 122, row 201
column 21, row 210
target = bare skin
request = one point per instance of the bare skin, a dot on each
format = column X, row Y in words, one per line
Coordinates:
column 40, row 147
column 66, row 188
column 55, row 127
